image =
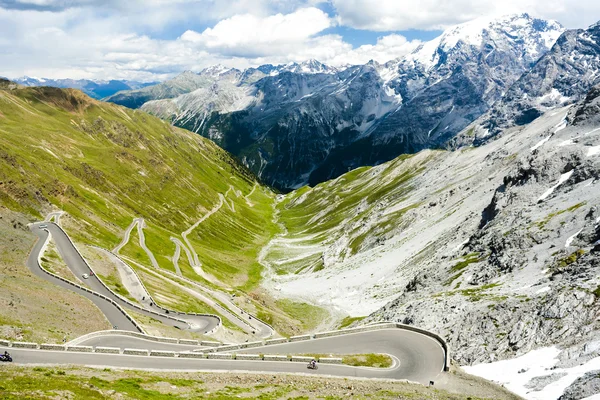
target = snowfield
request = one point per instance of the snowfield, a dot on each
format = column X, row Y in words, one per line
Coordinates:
column 517, row 374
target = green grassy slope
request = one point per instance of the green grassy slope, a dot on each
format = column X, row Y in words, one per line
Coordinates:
column 344, row 208
column 105, row 165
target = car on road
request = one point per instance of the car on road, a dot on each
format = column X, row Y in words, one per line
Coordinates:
column 43, row 226
column 85, row 276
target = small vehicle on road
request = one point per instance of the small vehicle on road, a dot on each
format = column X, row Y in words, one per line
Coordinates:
column 312, row 365
column 43, row 226
column 85, row 276
column 5, row 357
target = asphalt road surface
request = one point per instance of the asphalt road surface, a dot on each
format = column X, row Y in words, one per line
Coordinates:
column 79, row 267
column 421, row 359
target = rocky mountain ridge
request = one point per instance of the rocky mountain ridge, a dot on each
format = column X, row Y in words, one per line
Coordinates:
column 562, row 76
column 496, row 247
column 306, row 123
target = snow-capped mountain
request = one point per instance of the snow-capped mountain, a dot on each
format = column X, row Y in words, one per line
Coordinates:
column 563, row 75
column 448, row 82
column 304, row 123
column 308, row 67
column 97, row 89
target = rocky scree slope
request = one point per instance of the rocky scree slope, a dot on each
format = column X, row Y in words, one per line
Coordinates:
column 494, row 247
column 562, row 76
column 306, row 123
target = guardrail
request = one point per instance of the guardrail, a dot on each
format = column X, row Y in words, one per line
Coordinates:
column 164, row 353
column 121, row 298
column 226, row 310
column 157, row 339
column 367, row 328
column 39, row 261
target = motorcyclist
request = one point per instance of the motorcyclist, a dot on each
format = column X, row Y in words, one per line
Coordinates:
column 313, row 363
column 6, row 355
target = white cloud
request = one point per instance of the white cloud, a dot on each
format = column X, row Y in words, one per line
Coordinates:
column 136, row 39
column 387, row 48
column 253, row 36
column 389, row 15
column 75, row 43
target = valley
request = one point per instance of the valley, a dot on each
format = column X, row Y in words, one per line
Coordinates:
column 439, row 212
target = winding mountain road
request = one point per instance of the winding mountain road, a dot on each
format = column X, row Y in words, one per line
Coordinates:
column 417, row 357
column 78, row 267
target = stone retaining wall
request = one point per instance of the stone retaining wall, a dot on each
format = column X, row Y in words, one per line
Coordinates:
column 188, row 341
column 25, row 345
column 48, row 346
column 135, row 352
column 300, row 338
column 270, row 357
column 108, row 350
column 301, row 359
column 191, row 355
column 330, row 360
column 276, row 341
column 81, row 349
column 224, row 349
column 248, row 357
column 220, row 356
column 161, row 353
column 251, row 345
column 208, row 343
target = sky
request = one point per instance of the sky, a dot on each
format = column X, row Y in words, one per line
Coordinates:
column 153, row 40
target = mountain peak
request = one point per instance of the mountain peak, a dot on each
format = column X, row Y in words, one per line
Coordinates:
column 535, row 36
column 311, row 66
column 216, row 70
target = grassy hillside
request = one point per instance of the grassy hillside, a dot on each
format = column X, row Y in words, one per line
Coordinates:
column 105, row 165
column 43, row 382
column 346, row 210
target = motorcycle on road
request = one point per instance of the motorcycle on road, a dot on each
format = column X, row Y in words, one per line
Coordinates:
column 5, row 357
column 312, row 365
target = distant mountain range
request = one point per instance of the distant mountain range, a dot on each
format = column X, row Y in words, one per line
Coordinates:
column 97, row 89
column 305, row 123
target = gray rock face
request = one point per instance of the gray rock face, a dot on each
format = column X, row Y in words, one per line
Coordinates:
column 451, row 81
column 544, row 247
column 184, row 83
column 564, row 74
column 583, row 387
column 306, row 123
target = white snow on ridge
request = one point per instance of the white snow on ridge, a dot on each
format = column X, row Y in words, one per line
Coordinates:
column 561, row 126
column 541, row 143
column 590, row 132
column 563, row 178
column 571, row 238
column 533, row 364
column 592, row 151
column 568, row 142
